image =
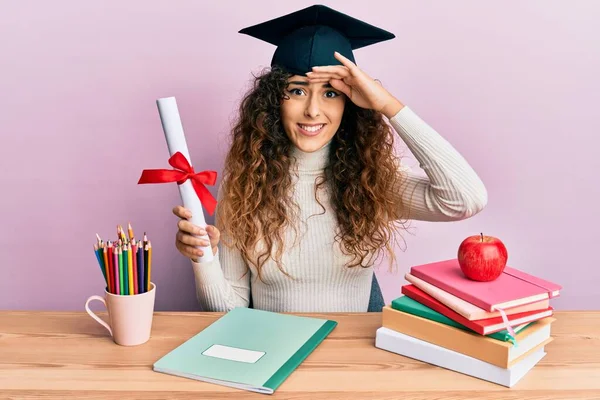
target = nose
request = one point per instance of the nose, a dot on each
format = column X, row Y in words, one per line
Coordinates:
column 313, row 108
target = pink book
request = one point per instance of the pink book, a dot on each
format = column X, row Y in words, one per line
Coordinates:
column 512, row 288
column 466, row 309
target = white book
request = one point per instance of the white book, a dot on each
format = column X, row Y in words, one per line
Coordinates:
column 396, row 342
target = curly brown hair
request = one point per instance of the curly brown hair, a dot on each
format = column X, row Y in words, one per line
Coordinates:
column 363, row 175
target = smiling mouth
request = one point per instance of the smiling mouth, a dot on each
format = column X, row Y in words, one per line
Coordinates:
column 311, row 130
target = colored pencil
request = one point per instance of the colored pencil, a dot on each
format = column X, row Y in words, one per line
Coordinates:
column 131, row 277
column 126, row 275
column 101, row 255
column 142, row 261
column 140, row 266
column 138, row 274
column 116, row 270
column 132, row 271
column 126, row 263
column 134, row 259
column 107, row 268
column 146, row 286
column 149, row 265
column 100, row 263
column 121, row 271
column 111, row 267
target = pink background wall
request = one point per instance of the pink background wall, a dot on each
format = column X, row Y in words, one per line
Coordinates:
column 512, row 85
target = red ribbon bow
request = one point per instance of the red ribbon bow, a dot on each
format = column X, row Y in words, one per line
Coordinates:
column 182, row 172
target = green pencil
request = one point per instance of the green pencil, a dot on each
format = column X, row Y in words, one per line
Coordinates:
column 126, row 270
column 121, row 270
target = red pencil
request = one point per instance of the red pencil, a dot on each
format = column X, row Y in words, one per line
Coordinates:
column 108, row 272
column 111, row 267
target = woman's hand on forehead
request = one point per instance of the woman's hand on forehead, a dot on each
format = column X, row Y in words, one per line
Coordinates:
column 360, row 88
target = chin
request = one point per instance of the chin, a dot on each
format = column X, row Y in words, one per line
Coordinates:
column 311, row 145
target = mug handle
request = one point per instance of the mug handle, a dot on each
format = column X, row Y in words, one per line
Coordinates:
column 91, row 313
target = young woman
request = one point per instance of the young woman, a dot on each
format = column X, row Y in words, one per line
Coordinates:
column 312, row 192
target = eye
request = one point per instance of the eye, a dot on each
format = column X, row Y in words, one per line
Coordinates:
column 296, row 91
column 335, row 94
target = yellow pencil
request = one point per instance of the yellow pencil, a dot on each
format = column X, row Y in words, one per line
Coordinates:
column 130, row 231
column 122, row 233
column 130, row 269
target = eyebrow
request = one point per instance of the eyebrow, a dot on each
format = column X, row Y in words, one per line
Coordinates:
column 305, row 83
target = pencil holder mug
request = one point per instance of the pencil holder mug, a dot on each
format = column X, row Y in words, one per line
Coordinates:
column 130, row 316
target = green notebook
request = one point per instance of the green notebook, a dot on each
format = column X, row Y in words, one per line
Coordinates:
column 247, row 349
column 411, row 306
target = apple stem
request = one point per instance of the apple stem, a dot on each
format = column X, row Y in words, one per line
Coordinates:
column 482, row 236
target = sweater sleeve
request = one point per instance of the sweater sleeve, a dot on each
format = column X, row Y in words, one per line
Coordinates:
column 223, row 283
column 451, row 189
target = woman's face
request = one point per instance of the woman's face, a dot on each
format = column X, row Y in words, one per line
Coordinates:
column 311, row 113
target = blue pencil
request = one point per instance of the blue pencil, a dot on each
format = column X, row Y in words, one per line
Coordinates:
column 100, row 262
column 140, row 268
column 143, row 264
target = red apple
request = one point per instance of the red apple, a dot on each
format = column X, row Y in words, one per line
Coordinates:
column 482, row 258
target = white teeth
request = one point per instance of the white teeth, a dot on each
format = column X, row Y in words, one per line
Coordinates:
column 311, row 128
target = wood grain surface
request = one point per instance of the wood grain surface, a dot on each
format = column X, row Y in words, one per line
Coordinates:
column 68, row 355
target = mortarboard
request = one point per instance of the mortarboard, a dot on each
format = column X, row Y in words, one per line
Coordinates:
column 309, row 37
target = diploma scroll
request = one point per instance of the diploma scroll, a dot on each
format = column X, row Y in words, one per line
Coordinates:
column 173, row 129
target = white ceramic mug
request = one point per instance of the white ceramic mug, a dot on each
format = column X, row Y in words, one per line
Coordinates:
column 130, row 316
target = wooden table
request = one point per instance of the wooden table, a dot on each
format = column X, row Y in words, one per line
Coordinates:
column 68, row 355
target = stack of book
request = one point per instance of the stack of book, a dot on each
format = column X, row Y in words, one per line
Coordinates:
column 496, row 331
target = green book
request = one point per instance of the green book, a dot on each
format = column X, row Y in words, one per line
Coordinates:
column 411, row 306
column 247, row 349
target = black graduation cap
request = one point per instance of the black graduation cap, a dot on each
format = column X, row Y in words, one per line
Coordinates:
column 309, row 37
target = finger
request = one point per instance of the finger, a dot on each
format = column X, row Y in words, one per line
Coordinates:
column 334, row 69
column 341, row 86
column 326, row 75
column 188, row 227
column 323, row 80
column 327, row 78
column 214, row 234
column 346, row 62
column 182, row 212
column 190, row 251
column 191, row 240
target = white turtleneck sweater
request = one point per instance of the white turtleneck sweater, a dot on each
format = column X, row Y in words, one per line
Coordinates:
column 450, row 191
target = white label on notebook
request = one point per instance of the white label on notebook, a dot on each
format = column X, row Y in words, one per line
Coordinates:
column 233, row 353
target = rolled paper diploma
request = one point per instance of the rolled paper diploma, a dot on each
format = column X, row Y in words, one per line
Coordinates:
column 171, row 123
